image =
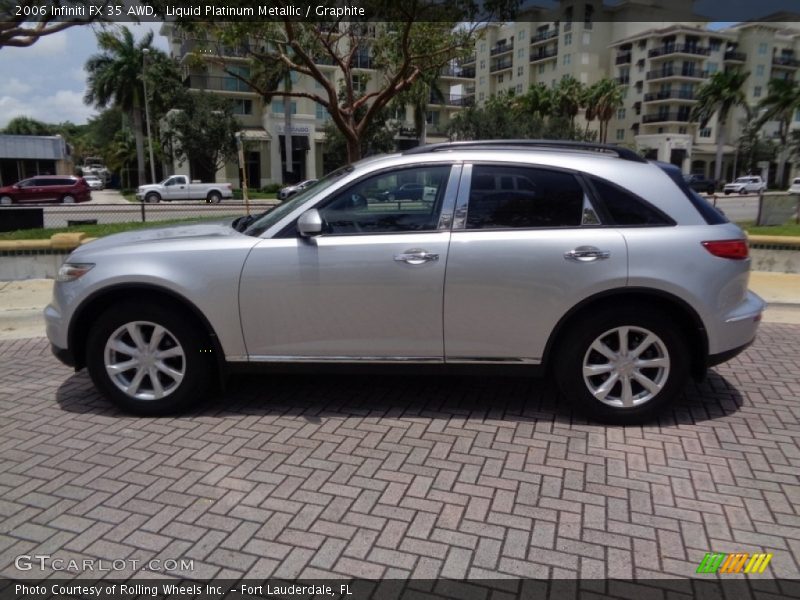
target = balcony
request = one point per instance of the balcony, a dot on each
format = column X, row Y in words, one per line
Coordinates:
column 623, row 58
column 469, row 60
column 676, row 117
column 624, row 80
column 468, row 72
column 501, row 65
column 216, row 84
column 501, row 48
column 453, row 100
column 733, row 56
column 785, row 61
column 671, row 95
column 677, row 73
column 456, row 71
column 543, row 54
column 543, row 36
column 198, row 46
column 679, row 49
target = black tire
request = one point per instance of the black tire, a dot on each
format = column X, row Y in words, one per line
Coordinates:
column 727, row 192
column 152, row 198
column 196, row 363
column 710, row 190
column 574, row 348
column 742, row 192
column 214, row 198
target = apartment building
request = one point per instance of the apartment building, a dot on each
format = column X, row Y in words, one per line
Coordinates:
column 660, row 64
column 210, row 67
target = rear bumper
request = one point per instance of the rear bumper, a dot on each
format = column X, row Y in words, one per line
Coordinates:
column 716, row 359
column 735, row 330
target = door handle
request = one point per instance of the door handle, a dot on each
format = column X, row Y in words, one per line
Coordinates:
column 416, row 257
column 587, row 254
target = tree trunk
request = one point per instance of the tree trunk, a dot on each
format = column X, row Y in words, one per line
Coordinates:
column 353, row 150
column 138, row 136
column 287, row 133
column 720, row 150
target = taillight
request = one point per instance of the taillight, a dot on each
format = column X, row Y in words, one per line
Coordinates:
column 735, row 249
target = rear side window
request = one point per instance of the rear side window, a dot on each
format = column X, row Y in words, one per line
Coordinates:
column 520, row 197
column 624, row 208
column 710, row 214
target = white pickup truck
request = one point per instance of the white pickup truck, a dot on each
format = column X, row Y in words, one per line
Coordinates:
column 178, row 187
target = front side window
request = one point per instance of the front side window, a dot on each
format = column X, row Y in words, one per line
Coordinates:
column 522, row 197
column 390, row 202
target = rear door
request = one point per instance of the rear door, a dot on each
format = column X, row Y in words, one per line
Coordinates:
column 526, row 246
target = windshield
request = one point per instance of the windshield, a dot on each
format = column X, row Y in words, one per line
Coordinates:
column 743, row 180
column 268, row 219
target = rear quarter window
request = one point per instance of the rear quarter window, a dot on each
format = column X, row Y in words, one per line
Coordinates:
column 624, row 208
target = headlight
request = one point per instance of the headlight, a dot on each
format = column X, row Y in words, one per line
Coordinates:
column 72, row 271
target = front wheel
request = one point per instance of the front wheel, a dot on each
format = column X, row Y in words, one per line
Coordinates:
column 5, row 200
column 149, row 359
column 68, row 199
column 710, row 190
column 623, row 366
column 152, row 198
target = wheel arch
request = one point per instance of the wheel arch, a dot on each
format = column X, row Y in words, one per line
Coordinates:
column 687, row 316
column 100, row 300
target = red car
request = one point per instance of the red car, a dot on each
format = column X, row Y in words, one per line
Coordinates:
column 46, row 188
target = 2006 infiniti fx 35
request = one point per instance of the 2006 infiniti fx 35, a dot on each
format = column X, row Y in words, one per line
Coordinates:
column 585, row 260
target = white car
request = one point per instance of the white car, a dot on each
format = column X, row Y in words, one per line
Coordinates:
column 751, row 184
column 178, row 187
column 795, row 187
column 94, row 182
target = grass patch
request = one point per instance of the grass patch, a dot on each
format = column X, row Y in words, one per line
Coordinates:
column 93, row 230
column 237, row 196
column 787, row 229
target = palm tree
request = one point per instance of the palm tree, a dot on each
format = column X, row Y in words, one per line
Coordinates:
column 567, row 98
column 602, row 99
column 780, row 104
column 115, row 77
column 423, row 92
column 723, row 92
column 537, row 102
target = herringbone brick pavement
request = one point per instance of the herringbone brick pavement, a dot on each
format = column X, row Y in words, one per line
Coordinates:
column 422, row 477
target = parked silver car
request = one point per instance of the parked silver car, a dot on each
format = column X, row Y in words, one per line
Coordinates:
column 582, row 260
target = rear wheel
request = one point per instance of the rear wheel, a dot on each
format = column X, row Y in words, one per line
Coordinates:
column 710, row 190
column 623, row 365
column 214, row 197
column 742, row 191
column 68, row 199
column 149, row 359
column 5, row 200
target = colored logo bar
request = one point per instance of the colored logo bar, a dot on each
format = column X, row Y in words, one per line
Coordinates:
column 741, row 562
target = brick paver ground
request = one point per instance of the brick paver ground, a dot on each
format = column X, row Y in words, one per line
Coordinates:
column 419, row 477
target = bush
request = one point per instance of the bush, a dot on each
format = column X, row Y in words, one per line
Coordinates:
column 127, row 191
column 271, row 188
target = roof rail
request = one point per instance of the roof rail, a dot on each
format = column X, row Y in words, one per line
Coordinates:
column 620, row 152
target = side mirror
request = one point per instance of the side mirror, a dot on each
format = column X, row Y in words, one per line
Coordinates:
column 310, row 223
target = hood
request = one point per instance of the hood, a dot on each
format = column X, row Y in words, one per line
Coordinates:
column 149, row 186
column 207, row 230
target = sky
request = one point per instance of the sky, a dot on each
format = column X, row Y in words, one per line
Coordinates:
column 46, row 81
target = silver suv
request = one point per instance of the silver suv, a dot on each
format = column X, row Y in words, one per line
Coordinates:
column 583, row 260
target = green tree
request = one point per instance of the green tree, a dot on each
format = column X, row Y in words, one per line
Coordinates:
column 568, row 98
column 780, row 104
column 115, row 78
column 21, row 31
column 414, row 38
column 202, row 133
column 601, row 100
column 423, row 92
column 28, row 126
column 378, row 139
column 719, row 95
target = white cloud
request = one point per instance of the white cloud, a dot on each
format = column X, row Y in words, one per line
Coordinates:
column 15, row 86
column 63, row 105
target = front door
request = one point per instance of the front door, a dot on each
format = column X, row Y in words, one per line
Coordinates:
column 369, row 288
column 526, row 246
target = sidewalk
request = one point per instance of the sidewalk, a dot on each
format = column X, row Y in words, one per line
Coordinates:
column 22, row 302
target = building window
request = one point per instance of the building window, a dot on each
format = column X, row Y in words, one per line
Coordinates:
column 541, row 68
column 500, row 78
column 277, row 106
column 483, row 64
column 481, row 97
column 620, row 134
column 359, row 83
column 681, row 129
column 519, row 71
column 519, row 88
column 483, row 47
column 797, row 116
column 705, row 132
column 762, row 48
column 567, row 59
column 715, row 45
column 482, row 80
column 567, row 39
column 242, row 107
column 642, row 44
column 322, row 113
column 521, row 34
column 757, row 92
column 521, row 53
column 620, row 113
column 712, row 67
column 759, row 70
column 587, row 38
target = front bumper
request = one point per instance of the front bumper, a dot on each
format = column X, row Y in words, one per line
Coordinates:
column 63, row 354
